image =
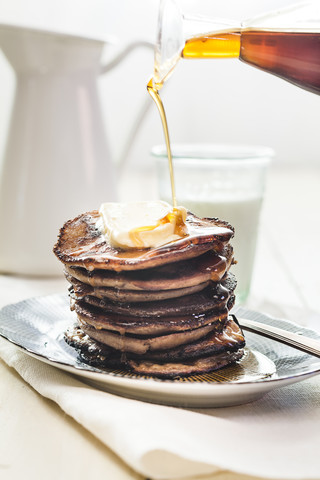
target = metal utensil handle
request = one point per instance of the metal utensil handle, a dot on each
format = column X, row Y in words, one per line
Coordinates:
column 301, row 342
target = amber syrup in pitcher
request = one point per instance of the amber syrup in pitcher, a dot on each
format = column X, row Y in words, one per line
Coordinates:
column 293, row 56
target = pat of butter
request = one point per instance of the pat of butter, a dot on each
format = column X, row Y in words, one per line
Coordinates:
column 142, row 224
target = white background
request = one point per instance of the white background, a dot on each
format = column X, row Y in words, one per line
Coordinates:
column 206, row 100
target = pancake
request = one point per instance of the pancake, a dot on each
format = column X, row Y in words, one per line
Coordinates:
column 229, row 337
column 100, row 319
column 182, row 274
column 131, row 296
column 143, row 344
column 212, row 338
column 214, row 297
column 186, row 368
column 81, row 243
column 227, row 349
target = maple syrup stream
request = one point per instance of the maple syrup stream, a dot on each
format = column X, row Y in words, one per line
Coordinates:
column 156, row 97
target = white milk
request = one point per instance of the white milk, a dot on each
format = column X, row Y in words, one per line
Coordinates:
column 243, row 215
column 224, row 181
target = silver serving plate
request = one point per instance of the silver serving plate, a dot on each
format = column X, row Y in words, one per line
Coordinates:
column 37, row 327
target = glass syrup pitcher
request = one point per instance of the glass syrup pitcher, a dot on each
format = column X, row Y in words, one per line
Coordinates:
column 285, row 42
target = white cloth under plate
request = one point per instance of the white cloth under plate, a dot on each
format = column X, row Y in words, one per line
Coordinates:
column 275, row 437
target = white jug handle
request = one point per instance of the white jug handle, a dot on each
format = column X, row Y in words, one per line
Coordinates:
column 124, row 52
column 143, row 109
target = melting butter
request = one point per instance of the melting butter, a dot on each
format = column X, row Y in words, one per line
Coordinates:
column 142, row 224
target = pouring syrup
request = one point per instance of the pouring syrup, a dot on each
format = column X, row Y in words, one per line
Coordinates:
column 291, row 52
column 154, row 92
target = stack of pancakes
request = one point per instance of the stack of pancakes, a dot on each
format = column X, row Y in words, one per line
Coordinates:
column 158, row 311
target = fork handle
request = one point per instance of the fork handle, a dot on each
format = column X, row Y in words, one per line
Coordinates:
column 301, row 342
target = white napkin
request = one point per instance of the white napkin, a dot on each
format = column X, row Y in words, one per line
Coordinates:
column 275, row 437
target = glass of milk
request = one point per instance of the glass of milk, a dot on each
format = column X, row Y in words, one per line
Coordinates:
column 224, row 181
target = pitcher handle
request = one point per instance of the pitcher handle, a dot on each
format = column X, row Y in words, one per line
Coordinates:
column 120, row 161
column 124, row 52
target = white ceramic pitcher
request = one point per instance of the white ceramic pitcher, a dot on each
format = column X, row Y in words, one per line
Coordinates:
column 57, row 162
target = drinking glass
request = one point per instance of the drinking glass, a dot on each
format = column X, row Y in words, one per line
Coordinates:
column 225, row 181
